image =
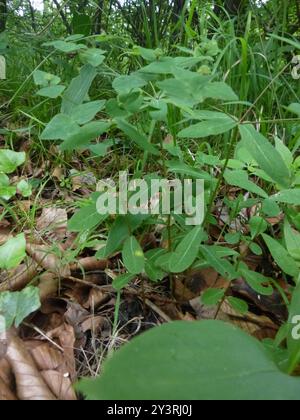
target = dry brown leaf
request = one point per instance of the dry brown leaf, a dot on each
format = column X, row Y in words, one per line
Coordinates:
column 5, row 392
column 48, row 285
column 53, row 369
column 18, row 278
column 29, row 383
column 47, row 259
column 53, row 220
column 66, row 337
column 89, row 264
column 95, row 299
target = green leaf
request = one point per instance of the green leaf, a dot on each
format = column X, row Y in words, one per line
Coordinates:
column 122, row 281
column 207, row 360
column 59, row 128
column 84, row 113
column 12, row 253
column 92, row 56
column 258, row 225
column 222, row 266
column 78, row 90
column 281, row 256
column 66, row 47
column 208, row 128
column 51, row 91
column 184, row 169
column 154, row 273
column 101, row 149
column 187, row 251
column 295, row 109
column 256, row 249
column 125, row 84
column 292, row 241
column 85, row 135
column 238, row 305
column 24, row 188
column 118, row 233
column 10, row 160
column 86, row 219
column 16, row 306
column 288, row 197
column 6, row 191
column 219, row 90
column 270, row 208
column 233, row 238
column 265, row 155
column 240, row 179
column 139, row 138
column 133, row 256
column 212, row 297
column 284, row 151
column 256, row 281
column 44, row 79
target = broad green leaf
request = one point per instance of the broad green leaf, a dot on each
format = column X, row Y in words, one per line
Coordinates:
column 51, row 91
column 219, row 90
column 212, row 297
column 12, row 253
column 240, row 179
column 184, row 169
column 292, row 241
column 84, row 113
column 187, row 251
column 133, row 256
column 258, row 225
column 295, row 109
column 222, row 266
column 86, row 219
column 92, row 56
column 139, row 138
column 154, row 273
column 16, row 306
column 207, row 360
column 6, row 191
column 24, row 188
column 288, row 197
column 122, row 281
column 44, row 79
column 265, row 155
column 259, row 283
column 270, row 208
column 85, row 135
column 233, row 238
column 125, row 84
column 78, row 90
column 118, row 233
column 10, row 160
column 281, row 256
column 284, row 151
column 59, row 128
column 238, row 305
column 208, row 128
column 163, row 262
column 256, row 249
column 66, row 47
column 101, row 149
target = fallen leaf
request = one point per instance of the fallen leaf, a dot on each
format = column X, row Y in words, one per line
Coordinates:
column 29, row 383
column 46, row 259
